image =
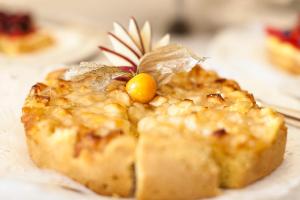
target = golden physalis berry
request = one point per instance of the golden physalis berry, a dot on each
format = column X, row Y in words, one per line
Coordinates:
column 142, row 87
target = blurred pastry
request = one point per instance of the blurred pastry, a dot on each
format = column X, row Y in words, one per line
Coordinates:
column 283, row 48
column 19, row 34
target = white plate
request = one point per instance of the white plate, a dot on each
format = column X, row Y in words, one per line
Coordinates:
column 239, row 53
column 72, row 44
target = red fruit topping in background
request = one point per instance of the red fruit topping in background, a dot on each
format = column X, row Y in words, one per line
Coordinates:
column 273, row 31
column 291, row 36
column 15, row 24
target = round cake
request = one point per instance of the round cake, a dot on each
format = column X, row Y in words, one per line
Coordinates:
column 199, row 132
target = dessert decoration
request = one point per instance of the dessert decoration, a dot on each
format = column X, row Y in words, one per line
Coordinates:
column 130, row 45
column 133, row 47
column 283, row 47
column 19, row 34
column 157, row 127
column 156, row 66
column 141, row 88
column 136, row 59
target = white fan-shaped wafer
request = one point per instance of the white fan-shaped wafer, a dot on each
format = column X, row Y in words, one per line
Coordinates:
column 164, row 41
column 116, row 58
column 146, row 36
column 135, row 33
column 129, row 46
column 121, row 33
column 122, row 48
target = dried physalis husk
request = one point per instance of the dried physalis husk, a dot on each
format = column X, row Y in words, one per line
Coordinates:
column 163, row 62
column 101, row 75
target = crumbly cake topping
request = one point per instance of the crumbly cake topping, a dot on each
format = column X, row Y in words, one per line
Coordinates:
column 96, row 101
column 196, row 102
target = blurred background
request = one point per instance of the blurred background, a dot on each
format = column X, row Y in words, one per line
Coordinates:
column 201, row 14
column 201, row 17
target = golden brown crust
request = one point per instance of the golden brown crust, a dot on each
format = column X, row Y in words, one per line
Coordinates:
column 98, row 137
column 245, row 167
column 107, row 172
